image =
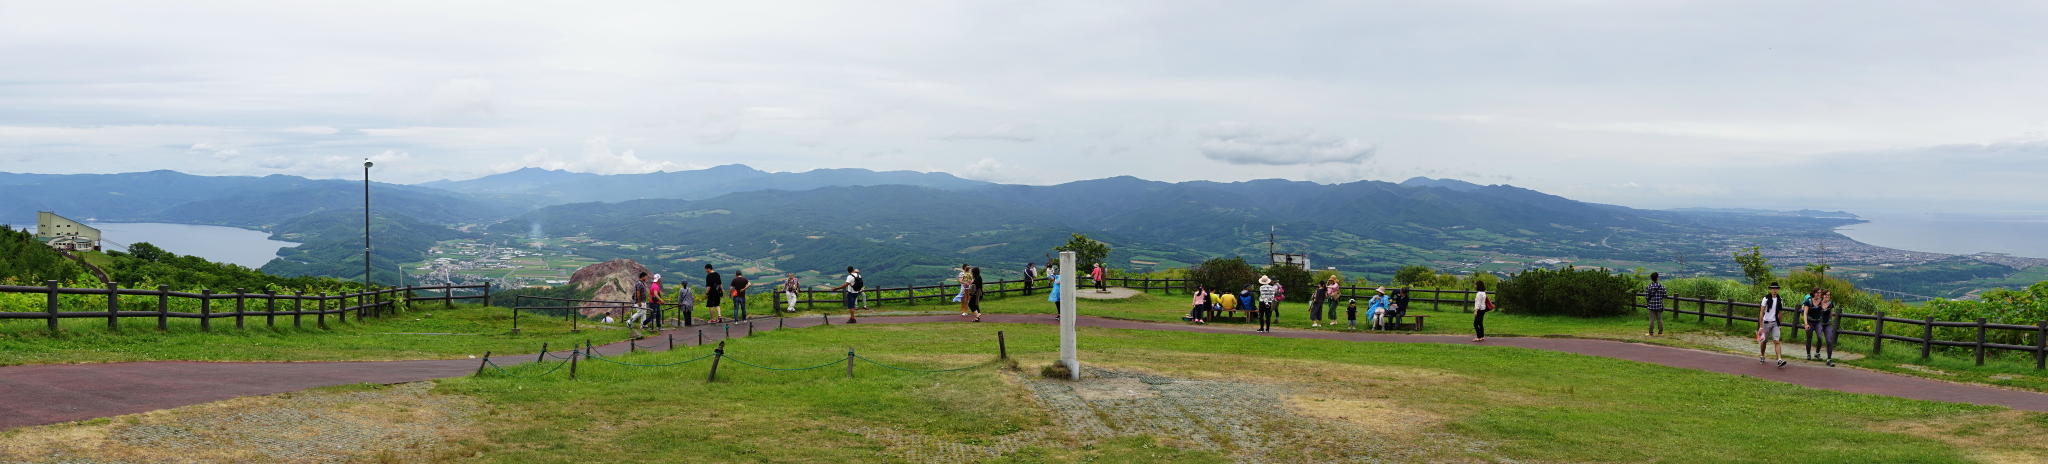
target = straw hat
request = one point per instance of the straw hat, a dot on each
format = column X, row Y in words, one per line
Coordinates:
column 1382, row 290
column 1264, row 280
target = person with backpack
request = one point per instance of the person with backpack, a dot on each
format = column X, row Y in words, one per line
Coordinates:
column 974, row 294
column 1201, row 302
column 740, row 285
column 1480, row 306
column 1767, row 332
column 789, row 288
column 714, row 289
column 852, row 287
column 1653, row 298
column 1315, row 307
column 1377, row 308
column 1030, row 277
column 1820, row 327
column 640, row 298
column 1265, row 311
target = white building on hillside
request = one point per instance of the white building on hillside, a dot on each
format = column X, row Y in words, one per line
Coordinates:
column 65, row 234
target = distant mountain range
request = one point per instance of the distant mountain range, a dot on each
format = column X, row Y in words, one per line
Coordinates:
column 916, row 224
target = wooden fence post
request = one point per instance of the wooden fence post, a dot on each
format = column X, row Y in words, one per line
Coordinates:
column 113, row 306
column 448, row 292
column 163, row 307
column 716, row 354
column 480, row 365
column 206, row 309
column 298, row 308
column 270, row 308
column 1877, row 338
column 1927, row 338
column 1980, row 341
column 1703, row 310
column 1731, row 313
column 52, row 306
column 321, row 319
column 2041, row 345
column 1002, row 347
column 241, row 295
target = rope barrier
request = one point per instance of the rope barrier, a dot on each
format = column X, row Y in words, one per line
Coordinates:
column 871, row 361
column 834, row 362
column 494, row 365
column 699, row 358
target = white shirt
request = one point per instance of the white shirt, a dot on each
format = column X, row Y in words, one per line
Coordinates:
column 1479, row 302
column 1770, row 313
column 849, row 283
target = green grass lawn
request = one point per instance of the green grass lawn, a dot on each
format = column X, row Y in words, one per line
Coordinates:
column 1499, row 403
column 88, row 340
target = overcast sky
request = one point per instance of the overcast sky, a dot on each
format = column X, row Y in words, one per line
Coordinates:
column 1855, row 105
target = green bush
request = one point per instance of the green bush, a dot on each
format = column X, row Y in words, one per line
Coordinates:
column 1229, row 274
column 1297, row 281
column 1570, row 291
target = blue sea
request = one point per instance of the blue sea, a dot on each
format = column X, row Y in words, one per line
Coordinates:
column 2018, row 234
column 215, row 243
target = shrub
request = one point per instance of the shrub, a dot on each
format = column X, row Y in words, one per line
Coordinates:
column 1296, row 280
column 1570, row 291
column 1228, row 274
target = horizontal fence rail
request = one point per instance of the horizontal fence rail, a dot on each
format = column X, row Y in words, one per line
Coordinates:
column 1927, row 339
column 239, row 306
column 944, row 293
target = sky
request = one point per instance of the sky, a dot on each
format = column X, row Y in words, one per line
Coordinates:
column 1851, row 105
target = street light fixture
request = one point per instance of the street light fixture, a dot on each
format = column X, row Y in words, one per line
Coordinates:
column 366, row 223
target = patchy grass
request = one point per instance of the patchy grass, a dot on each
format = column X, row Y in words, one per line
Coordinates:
column 1510, row 403
column 377, row 339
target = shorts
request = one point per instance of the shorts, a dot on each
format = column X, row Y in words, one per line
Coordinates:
column 1770, row 331
column 711, row 300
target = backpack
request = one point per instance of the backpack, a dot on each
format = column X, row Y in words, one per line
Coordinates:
column 859, row 283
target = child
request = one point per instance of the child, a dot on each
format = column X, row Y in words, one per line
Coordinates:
column 1351, row 315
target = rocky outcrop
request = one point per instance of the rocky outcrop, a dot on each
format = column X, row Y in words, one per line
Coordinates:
column 612, row 280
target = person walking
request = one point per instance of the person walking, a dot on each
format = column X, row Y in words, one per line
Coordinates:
column 1767, row 332
column 1334, row 288
column 974, row 294
column 1101, row 280
column 1315, row 307
column 740, row 285
column 1653, row 298
column 1201, row 301
column 1820, row 328
column 1030, row 277
column 1265, row 304
column 964, row 279
column 790, row 286
column 1480, row 306
column 852, row 288
column 640, row 298
column 654, row 303
column 714, row 290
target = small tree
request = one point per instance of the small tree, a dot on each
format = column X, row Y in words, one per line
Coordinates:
column 1755, row 268
column 1086, row 252
column 1296, row 280
column 1413, row 275
column 1226, row 274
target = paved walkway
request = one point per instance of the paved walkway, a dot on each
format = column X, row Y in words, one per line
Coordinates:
column 47, row 394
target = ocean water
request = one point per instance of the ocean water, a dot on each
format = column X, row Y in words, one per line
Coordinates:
column 2017, row 234
column 215, row 243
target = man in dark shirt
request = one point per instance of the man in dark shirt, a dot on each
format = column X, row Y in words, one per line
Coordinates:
column 739, row 294
column 714, row 289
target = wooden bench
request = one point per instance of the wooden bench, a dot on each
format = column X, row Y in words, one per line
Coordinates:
column 1419, row 321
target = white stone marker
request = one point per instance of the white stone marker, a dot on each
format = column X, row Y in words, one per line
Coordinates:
column 1067, row 316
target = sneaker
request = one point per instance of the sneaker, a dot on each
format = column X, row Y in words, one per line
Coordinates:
column 852, row 321
column 963, row 314
column 1781, row 363
column 1759, row 359
column 1831, row 363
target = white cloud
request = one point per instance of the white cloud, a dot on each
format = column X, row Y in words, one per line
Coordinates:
column 597, row 159
column 1014, row 132
column 1239, row 143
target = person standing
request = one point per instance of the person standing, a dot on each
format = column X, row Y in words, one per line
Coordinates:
column 1265, row 304
column 1315, row 307
column 1351, row 315
column 1480, row 306
column 1767, row 332
column 1054, row 295
column 740, row 285
column 965, row 278
column 1101, row 280
column 654, row 302
column 686, row 302
column 1030, row 277
column 852, row 288
column 974, row 294
column 1279, row 296
column 1201, row 300
column 640, row 298
column 1334, row 288
column 789, row 288
column 1820, row 327
column 714, row 290
column 1653, row 298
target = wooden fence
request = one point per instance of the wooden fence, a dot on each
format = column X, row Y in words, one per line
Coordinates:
column 943, row 293
column 1877, row 333
column 372, row 303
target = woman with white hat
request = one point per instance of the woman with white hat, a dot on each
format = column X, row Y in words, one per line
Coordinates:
column 1265, row 304
column 1376, row 310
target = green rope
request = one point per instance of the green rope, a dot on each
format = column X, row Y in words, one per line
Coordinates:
column 494, row 365
column 871, row 361
column 699, row 358
column 835, row 362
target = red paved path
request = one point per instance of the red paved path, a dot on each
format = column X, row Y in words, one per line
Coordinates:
column 47, row 394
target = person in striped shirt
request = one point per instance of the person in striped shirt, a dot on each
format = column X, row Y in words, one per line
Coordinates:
column 1653, row 298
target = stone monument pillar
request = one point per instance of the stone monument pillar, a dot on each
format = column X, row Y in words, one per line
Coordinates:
column 1067, row 315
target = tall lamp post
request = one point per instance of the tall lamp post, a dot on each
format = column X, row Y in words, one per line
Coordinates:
column 366, row 223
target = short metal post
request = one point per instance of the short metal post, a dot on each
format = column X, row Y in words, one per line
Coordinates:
column 1877, row 336
column 543, row 353
column 486, row 361
column 671, row 342
column 1980, row 341
column 632, row 347
column 515, row 321
column 826, row 318
column 113, row 306
column 849, row 362
column 1002, row 347
column 52, row 307
column 728, row 333
column 700, row 337
column 750, row 328
column 206, row 309
column 716, row 355
column 163, row 307
column 573, row 354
